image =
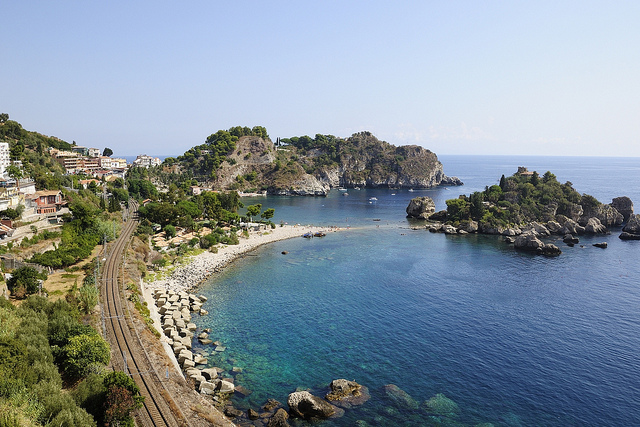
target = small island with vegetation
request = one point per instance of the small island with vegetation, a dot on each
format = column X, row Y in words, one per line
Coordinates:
column 245, row 159
column 526, row 208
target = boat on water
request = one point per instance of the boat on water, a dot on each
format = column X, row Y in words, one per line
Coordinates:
column 342, row 189
column 373, row 199
column 319, row 234
column 356, row 188
column 411, row 190
column 307, row 235
column 345, row 194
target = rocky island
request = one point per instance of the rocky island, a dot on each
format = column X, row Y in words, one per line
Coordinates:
column 526, row 208
column 247, row 160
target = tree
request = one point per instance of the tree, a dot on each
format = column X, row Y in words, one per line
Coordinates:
column 26, row 278
column 85, row 352
column 457, row 209
column 88, row 297
column 169, row 231
column 16, row 173
column 4, row 117
column 107, row 152
column 122, row 398
column 535, row 179
column 268, row 214
column 253, row 210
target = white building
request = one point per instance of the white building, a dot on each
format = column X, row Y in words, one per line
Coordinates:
column 145, row 161
column 5, row 157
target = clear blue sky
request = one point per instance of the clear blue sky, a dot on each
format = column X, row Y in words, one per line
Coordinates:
column 457, row 77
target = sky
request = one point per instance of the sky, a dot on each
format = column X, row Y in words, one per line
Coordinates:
column 456, row 77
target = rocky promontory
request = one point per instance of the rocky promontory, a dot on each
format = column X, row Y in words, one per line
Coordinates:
column 247, row 160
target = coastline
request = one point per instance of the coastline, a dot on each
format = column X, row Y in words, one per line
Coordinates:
column 200, row 267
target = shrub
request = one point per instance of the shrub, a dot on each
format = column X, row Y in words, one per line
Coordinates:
column 88, row 297
column 122, row 398
column 85, row 353
column 25, row 277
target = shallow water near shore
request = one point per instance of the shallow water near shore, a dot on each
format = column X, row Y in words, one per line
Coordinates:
column 513, row 339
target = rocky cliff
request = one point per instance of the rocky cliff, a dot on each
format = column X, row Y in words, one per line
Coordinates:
column 312, row 166
column 365, row 161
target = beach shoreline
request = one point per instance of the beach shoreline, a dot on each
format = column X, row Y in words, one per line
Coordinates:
column 199, row 268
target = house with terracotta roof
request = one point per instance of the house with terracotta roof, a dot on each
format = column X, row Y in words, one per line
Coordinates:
column 46, row 201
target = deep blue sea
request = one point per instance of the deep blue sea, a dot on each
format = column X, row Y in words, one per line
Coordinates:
column 513, row 339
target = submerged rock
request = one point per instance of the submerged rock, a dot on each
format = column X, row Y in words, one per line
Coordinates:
column 279, row 419
column 400, row 397
column 442, row 405
column 305, row 405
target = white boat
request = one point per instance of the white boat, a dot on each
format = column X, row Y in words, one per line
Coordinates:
column 373, row 199
column 342, row 189
column 356, row 188
column 411, row 190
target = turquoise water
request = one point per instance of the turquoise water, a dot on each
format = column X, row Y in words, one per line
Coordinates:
column 513, row 339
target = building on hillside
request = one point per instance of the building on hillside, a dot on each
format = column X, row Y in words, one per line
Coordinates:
column 5, row 157
column 145, row 161
column 94, row 152
column 105, row 162
column 79, row 149
column 6, row 228
column 523, row 171
column 118, row 163
column 47, row 201
column 195, row 190
column 86, row 182
column 90, row 163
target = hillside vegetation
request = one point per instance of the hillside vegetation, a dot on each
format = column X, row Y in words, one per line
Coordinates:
column 522, row 199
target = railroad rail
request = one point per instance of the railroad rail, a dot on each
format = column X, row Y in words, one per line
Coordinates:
column 129, row 352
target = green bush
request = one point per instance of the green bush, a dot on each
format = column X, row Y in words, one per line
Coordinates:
column 27, row 278
column 84, row 354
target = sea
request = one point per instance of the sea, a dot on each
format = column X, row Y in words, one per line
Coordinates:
column 469, row 329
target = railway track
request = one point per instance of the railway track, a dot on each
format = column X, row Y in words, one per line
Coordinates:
column 130, row 355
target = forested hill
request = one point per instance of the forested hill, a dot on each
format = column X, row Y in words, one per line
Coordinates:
column 246, row 159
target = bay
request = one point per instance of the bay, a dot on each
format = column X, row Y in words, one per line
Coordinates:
column 513, row 339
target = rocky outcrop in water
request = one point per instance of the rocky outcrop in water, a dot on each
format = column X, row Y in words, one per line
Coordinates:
column 530, row 242
column 421, row 208
column 631, row 231
column 624, row 205
column 347, row 394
